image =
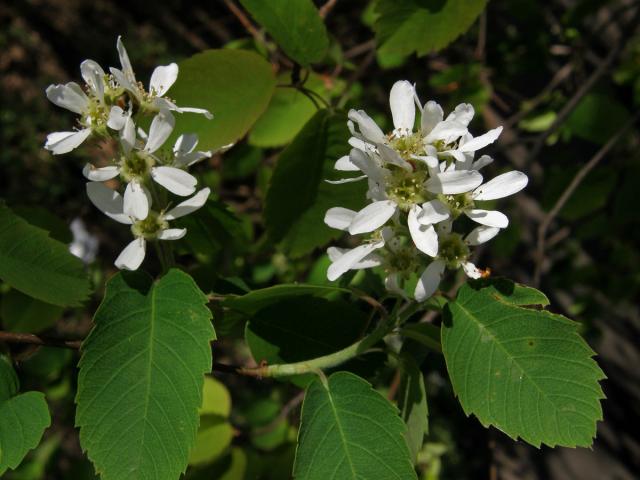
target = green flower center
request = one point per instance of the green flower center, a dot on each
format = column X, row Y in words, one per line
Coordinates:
column 457, row 203
column 407, row 188
column 136, row 165
column 453, row 251
column 408, row 145
column 150, row 227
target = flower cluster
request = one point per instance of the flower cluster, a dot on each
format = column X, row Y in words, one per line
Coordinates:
column 420, row 182
column 109, row 106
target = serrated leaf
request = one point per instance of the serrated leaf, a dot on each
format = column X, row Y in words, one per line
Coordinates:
column 295, row 25
column 23, row 419
column 407, row 26
column 298, row 196
column 509, row 291
column 412, row 402
column 350, row 431
column 527, row 372
column 234, row 85
column 38, row 265
column 141, row 376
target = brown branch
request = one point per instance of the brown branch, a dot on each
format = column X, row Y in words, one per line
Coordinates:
column 326, row 8
column 244, row 20
column 569, row 191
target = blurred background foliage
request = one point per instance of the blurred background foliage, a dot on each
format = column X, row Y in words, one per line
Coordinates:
column 562, row 77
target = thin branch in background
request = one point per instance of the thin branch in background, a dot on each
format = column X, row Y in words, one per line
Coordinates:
column 326, row 8
column 569, row 191
column 246, row 23
column 291, row 405
column 482, row 37
column 31, row 339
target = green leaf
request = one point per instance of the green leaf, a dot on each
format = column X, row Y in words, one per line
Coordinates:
column 407, row 26
column 22, row 313
column 597, row 117
column 350, row 431
column 141, row 376
column 412, row 402
column 298, row 196
column 37, row 265
column 23, row 419
column 509, row 291
column 527, row 372
column 424, row 333
column 234, row 85
column 295, row 25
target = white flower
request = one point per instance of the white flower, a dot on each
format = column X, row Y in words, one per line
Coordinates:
column 154, row 227
column 162, row 78
column 84, row 244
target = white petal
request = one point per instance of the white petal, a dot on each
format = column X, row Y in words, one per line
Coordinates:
column 501, row 186
column 429, row 280
column 367, row 165
column 93, row 75
column 162, row 78
column 125, row 83
column 471, row 270
column 346, row 180
column 370, row 261
column 432, row 114
column 368, row 128
column 202, row 111
column 100, row 174
column 403, row 108
column 69, row 96
column 456, row 154
column 357, row 143
column 454, row 182
column 345, row 165
column 483, row 161
column 64, row 142
column 175, row 180
column 132, row 256
column 481, row 234
column 117, row 118
column 482, row 141
column 161, row 127
column 172, row 234
column 447, row 131
column 491, row 218
column 186, row 143
column 372, row 217
column 136, row 203
column 389, row 155
column 189, row 205
column 433, row 212
column 191, row 158
column 128, row 134
column 350, row 258
column 127, row 69
column 424, row 236
column 108, row 201
column 338, row 217
column 463, row 114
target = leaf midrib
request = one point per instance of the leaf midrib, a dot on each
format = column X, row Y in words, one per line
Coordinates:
column 342, row 437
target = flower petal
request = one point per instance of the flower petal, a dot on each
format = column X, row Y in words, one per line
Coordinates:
column 64, row 142
column 432, row 115
column 454, row 182
column 480, row 235
column 69, row 96
column 429, row 280
column 108, row 201
column 490, row 218
column 172, row 234
column 351, row 258
column 338, row 217
column 201, row 111
column 501, row 186
column 136, row 202
column 447, row 131
column 483, row 161
column 471, row 270
column 186, row 143
column 482, row 141
column 93, row 75
column 175, row 180
column 162, row 78
column 368, row 128
column 100, row 174
column 127, row 69
column 132, row 256
column 372, row 216
column 117, row 118
column 189, row 205
column 161, row 127
column 345, row 165
column 463, row 114
column 128, row 134
column 370, row 261
column 367, row 165
column 424, row 236
column 433, row 212
column 389, row 155
column 346, row 180
column 403, row 108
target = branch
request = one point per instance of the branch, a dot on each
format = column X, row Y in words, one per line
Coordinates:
column 31, row 339
column 326, row 8
column 571, row 188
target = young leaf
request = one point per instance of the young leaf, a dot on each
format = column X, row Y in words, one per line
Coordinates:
column 412, row 402
column 527, row 372
column 407, row 26
column 37, row 265
column 295, row 25
column 298, row 196
column 141, row 376
column 234, row 85
column 23, row 419
column 350, row 431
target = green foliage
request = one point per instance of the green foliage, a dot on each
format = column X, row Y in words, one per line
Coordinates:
column 22, row 313
column 295, row 25
column 350, row 431
column 298, row 196
column 38, row 265
column 235, row 85
column 23, row 419
column 407, row 26
column 525, row 371
column 412, row 402
column 141, row 376
column 597, row 118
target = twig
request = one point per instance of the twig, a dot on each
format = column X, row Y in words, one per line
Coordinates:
column 284, row 413
column 246, row 23
column 31, row 339
column 482, row 37
column 571, row 188
column 326, row 8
